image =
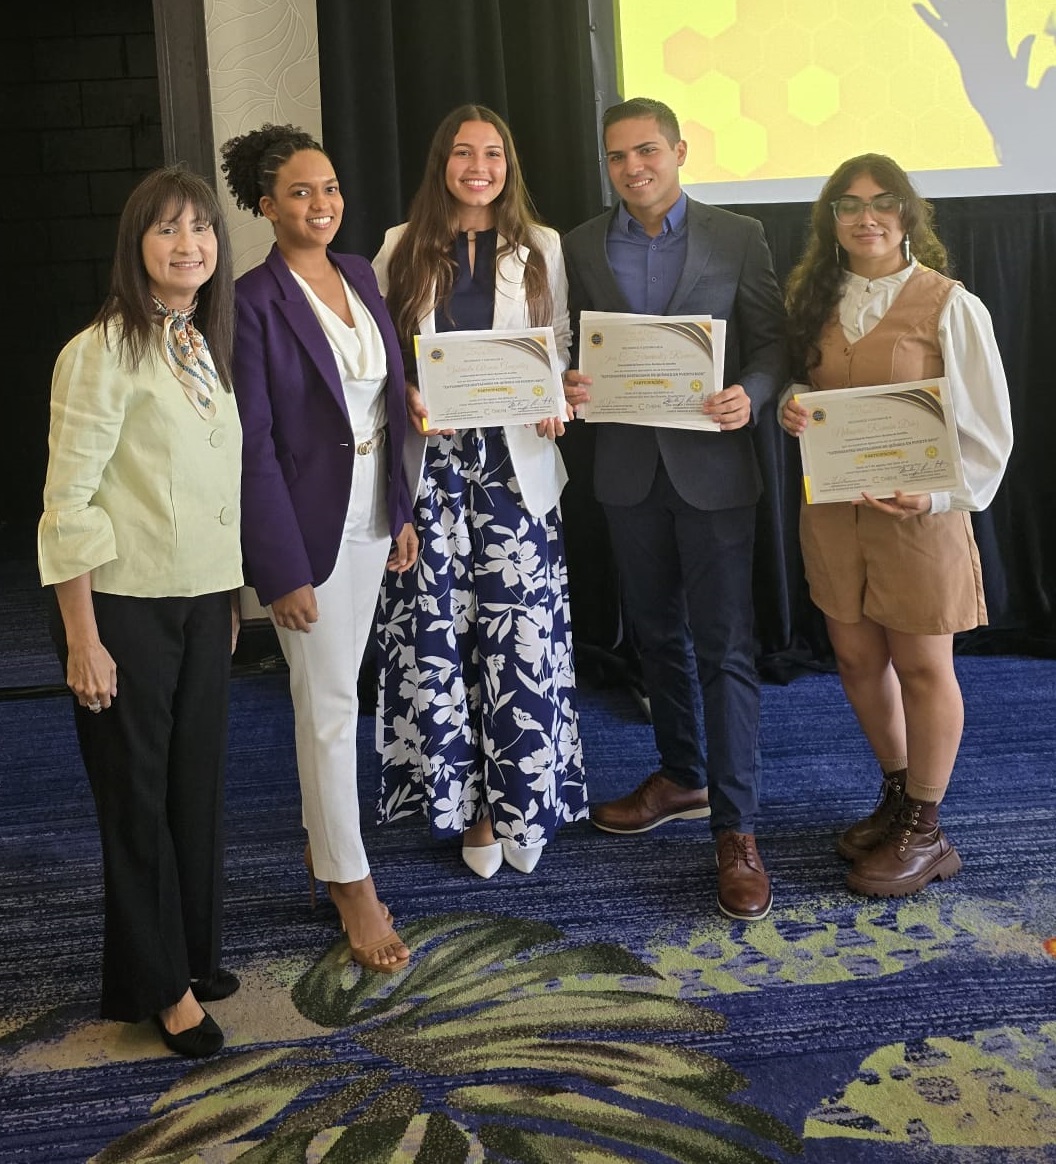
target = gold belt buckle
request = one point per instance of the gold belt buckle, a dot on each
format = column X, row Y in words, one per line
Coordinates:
column 375, row 442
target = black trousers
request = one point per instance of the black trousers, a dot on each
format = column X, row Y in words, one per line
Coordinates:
column 686, row 576
column 155, row 761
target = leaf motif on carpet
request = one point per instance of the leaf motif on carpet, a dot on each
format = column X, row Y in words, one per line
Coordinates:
column 501, row 1038
column 837, row 940
column 951, row 1091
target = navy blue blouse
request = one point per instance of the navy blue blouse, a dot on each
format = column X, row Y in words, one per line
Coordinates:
column 472, row 303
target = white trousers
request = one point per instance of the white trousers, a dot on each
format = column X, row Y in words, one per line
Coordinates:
column 324, row 672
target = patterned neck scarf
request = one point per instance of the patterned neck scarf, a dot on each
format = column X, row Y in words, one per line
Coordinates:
column 187, row 354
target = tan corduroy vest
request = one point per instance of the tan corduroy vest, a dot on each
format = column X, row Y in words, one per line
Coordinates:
column 919, row 576
column 904, row 345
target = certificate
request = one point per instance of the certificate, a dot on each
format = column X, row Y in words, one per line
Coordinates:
column 651, row 369
column 471, row 379
column 879, row 439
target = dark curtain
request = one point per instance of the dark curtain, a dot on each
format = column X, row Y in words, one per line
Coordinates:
column 391, row 69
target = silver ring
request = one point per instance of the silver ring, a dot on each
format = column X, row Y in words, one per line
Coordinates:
column 95, row 705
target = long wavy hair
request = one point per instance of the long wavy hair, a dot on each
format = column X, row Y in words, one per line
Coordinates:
column 129, row 305
column 422, row 270
column 813, row 287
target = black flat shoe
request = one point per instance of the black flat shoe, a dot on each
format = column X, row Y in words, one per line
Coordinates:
column 196, row 1042
column 222, row 984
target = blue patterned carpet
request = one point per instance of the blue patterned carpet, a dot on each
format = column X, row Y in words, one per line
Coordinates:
column 598, row 1010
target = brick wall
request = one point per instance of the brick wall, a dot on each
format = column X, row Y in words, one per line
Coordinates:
column 81, row 114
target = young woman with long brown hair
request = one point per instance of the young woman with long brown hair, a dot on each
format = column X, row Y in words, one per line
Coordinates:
column 477, row 718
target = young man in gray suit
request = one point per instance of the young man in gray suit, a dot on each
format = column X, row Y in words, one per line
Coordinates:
column 681, row 504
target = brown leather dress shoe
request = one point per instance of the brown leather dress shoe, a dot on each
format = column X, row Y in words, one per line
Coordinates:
column 744, row 884
column 914, row 852
column 867, row 833
column 654, row 802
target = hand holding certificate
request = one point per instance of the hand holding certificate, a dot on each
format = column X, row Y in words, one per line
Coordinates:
column 471, row 379
column 879, row 439
column 652, row 370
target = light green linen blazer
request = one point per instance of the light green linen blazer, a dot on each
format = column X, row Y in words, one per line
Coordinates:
column 141, row 491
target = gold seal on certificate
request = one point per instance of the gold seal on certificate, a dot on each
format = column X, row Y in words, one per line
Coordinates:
column 879, row 439
column 651, row 369
column 471, row 379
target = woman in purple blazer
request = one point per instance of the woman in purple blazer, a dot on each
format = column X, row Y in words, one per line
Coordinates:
column 325, row 507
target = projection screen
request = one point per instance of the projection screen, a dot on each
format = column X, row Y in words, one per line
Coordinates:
column 773, row 94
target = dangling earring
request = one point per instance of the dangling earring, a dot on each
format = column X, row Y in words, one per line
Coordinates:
column 837, row 246
column 905, row 247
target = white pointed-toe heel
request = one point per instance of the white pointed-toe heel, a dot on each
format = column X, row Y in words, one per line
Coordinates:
column 484, row 860
column 523, row 858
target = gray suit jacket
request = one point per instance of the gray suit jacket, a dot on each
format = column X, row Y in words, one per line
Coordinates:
column 728, row 274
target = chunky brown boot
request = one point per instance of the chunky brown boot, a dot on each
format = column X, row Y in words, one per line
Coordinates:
column 867, row 833
column 914, row 852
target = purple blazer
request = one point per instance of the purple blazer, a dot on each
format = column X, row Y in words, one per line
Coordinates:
column 297, row 443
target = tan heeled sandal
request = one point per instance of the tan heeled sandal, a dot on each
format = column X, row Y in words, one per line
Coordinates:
column 365, row 956
column 310, row 868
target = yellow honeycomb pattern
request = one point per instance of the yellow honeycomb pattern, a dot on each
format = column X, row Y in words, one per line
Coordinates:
column 790, row 88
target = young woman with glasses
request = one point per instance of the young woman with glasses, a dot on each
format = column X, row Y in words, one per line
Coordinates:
column 871, row 303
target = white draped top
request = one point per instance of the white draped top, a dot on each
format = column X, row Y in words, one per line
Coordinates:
column 360, row 355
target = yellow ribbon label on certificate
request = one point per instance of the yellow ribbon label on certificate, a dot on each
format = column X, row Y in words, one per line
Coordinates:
column 649, row 382
column 881, row 455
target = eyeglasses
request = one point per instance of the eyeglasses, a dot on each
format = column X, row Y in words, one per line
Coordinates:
column 849, row 209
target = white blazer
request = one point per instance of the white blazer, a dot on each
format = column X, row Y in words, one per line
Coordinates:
column 537, row 462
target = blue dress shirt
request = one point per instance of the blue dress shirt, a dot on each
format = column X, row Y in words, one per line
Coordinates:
column 647, row 269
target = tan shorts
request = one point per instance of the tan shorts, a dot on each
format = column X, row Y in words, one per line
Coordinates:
column 919, row 576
